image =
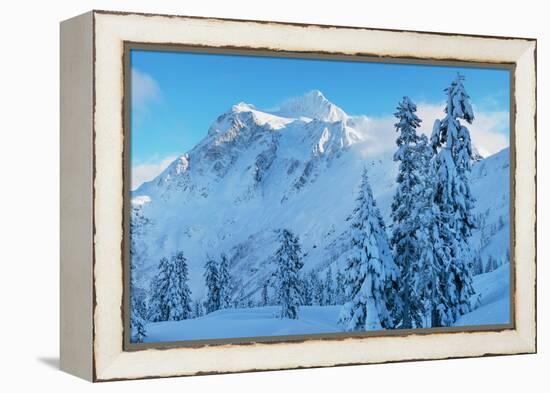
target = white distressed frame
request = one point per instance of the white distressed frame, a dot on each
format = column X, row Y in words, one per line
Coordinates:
column 110, row 31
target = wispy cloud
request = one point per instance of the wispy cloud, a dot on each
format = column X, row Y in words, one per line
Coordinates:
column 148, row 171
column 489, row 131
column 145, row 89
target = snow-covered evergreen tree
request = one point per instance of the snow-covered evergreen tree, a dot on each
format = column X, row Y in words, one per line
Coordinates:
column 340, row 294
column 211, row 279
column 179, row 295
column 427, row 236
column 224, row 282
column 198, row 310
column 454, row 201
column 158, row 303
column 491, row 264
column 316, row 287
column 478, row 264
column 494, row 262
column 265, row 294
column 241, row 301
column 138, row 302
column 137, row 328
column 328, row 297
column 288, row 283
column 138, row 314
column 370, row 272
column 139, row 299
column 170, row 294
column 307, row 289
column 409, row 310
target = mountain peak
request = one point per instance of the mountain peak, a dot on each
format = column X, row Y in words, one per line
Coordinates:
column 314, row 105
column 315, row 93
column 242, row 107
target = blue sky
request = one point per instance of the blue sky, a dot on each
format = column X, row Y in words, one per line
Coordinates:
column 176, row 96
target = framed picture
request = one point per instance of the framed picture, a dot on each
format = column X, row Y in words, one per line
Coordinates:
column 245, row 195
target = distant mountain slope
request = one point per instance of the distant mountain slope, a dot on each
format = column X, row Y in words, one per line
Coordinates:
column 492, row 299
column 490, row 182
column 257, row 172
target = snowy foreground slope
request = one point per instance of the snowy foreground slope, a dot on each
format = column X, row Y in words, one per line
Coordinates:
column 247, row 322
column 257, row 172
column 493, row 308
column 492, row 299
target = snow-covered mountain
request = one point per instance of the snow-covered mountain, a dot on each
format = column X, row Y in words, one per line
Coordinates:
column 257, row 172
column 490, row 182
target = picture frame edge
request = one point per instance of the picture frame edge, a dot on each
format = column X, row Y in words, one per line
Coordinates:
column 108, row 368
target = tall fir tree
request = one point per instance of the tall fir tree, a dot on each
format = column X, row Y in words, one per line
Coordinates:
column 478, row 264
column 491, row 264
column 137, row 328
column 451, row 143
column 211, row 279
column 170, row 293
column 288, row 283
column 316, row 287
column 370, row 272
column 409, row 310
column 138, row 313
column 328, row 298
column 198, row 310
column 265, row 294
column 307, row 290
column 138, row 296
column 427, row 236
column 241, row 301
column 224, row 282
column 158, row 303
column 340, row 294
column 179, row 295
